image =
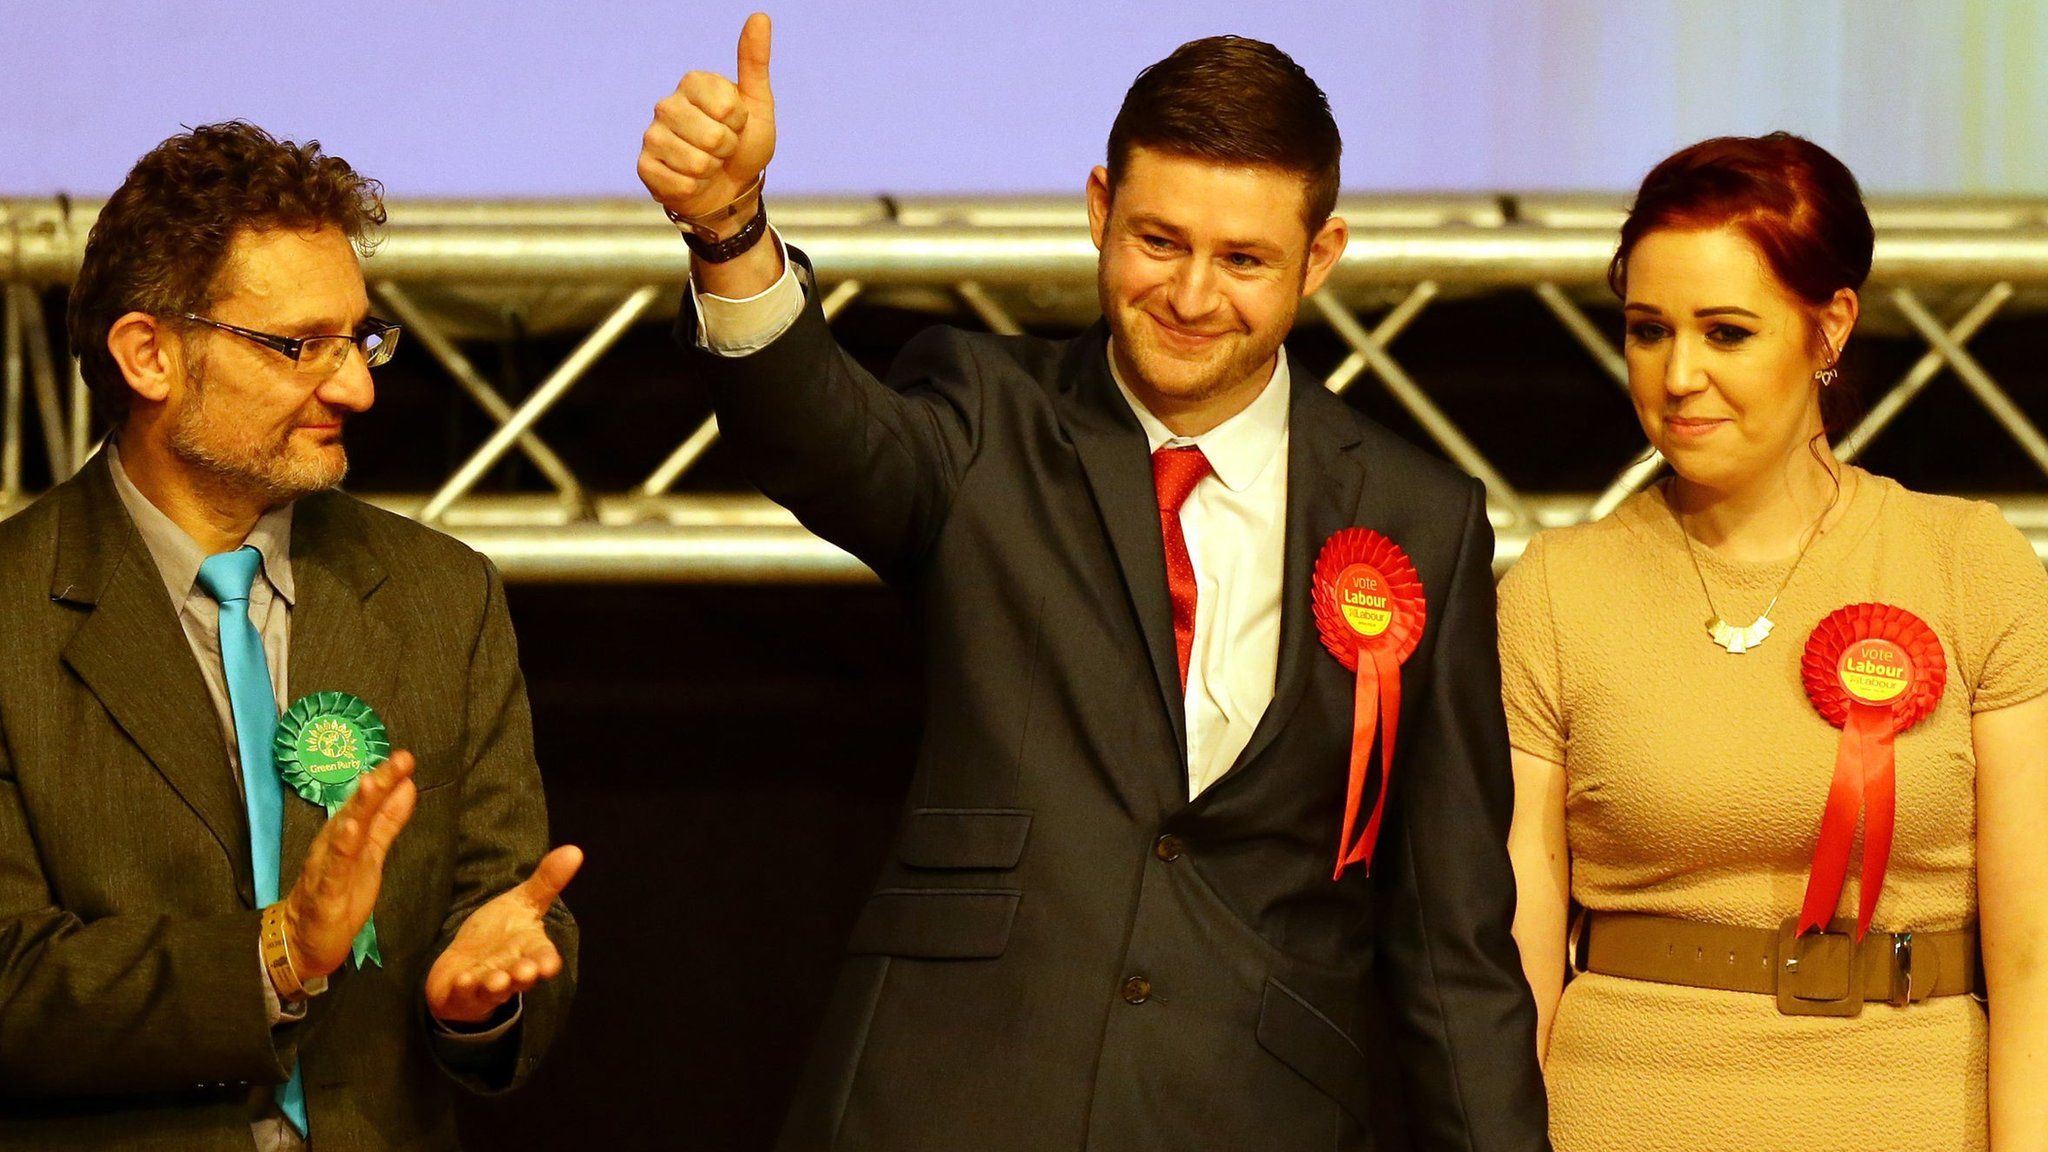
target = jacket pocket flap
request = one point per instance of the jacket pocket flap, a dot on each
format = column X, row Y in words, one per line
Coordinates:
column 936, row 923
column 1311, row 1043
column 964, row 838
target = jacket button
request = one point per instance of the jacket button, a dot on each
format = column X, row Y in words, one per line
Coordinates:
column 1169, row 847
column 1137, row 990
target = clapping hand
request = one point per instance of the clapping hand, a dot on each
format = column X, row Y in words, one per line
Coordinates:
column 503, row 948
column 344, row 869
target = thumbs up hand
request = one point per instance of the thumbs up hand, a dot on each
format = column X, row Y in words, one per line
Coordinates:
column 712, row 137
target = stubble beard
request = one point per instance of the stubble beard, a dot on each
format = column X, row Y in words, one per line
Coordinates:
column 1186, row 383
column 1189, row 384
column 268, row 470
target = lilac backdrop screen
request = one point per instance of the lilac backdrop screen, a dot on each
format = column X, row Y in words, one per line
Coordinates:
column 472, row 99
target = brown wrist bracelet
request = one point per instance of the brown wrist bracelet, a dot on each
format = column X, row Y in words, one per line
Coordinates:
column 733, row 246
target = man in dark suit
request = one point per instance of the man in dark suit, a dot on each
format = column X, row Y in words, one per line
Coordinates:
column 176, row 917
column 1109, row 921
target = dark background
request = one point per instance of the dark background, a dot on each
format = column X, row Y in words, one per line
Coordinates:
column 731, row 759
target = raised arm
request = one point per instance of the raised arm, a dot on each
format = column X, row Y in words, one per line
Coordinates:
column 870, row 467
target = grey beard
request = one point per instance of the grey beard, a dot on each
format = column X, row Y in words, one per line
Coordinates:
column 270, row 473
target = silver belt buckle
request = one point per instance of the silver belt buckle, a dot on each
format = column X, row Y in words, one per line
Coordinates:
column 1902, row 970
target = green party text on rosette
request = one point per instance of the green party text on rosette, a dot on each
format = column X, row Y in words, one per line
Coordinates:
column 325, row 743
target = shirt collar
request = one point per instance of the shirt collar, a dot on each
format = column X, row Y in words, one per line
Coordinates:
column 1239, row 449
column 178, row 555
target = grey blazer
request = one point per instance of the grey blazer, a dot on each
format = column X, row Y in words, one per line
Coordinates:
column 131, row 1001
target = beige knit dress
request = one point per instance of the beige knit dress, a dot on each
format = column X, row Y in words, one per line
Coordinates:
column 1695, row 781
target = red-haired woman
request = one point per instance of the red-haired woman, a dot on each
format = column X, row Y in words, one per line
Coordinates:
column 1754, row 968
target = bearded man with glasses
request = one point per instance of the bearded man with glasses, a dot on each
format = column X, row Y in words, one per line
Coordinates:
column 273, row 850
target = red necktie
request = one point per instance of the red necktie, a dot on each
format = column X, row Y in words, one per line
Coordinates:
column 1175, row 472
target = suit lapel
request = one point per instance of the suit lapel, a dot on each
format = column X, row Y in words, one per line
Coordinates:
column 338, row 644
column 1324, row 480
column 131, row 653
column 1115, row 457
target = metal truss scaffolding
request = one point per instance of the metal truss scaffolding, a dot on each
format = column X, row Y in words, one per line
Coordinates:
column 1005, row 263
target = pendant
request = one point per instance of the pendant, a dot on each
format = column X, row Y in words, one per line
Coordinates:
column 1739, row 640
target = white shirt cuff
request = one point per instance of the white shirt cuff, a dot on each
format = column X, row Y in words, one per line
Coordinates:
column 728, row 327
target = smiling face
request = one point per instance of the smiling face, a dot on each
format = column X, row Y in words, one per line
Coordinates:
column 1721, row 356
column 245, row 415
column 1202, row 269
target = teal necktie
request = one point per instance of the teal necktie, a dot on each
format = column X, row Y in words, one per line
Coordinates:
column 228, row 578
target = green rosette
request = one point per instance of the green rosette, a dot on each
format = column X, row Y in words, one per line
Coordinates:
column 325, row 743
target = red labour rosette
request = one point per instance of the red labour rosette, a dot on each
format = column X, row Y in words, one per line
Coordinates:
column 1872, row 670
column 1369, row 610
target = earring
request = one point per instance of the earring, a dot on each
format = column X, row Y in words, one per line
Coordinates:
column 1825, row 374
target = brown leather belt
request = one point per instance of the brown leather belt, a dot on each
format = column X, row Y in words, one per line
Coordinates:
column 1819, row 974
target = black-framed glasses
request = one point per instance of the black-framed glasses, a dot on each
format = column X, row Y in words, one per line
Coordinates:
column 320, row 355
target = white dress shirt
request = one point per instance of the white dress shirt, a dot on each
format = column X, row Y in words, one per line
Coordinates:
column 1235, row 522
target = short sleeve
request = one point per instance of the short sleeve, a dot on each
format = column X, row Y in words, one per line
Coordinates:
column 1531, row 675
column 2004, row 613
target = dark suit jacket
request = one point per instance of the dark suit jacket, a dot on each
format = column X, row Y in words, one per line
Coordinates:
column 1004, row 483
column 131, row 996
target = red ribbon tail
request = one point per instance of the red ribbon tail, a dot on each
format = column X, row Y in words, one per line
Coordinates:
column 1880, row 801
column 1388, row 670
column 1365, row 709
column 1837, row 827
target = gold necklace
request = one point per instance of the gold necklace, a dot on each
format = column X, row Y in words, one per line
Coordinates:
column 1738, row 640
